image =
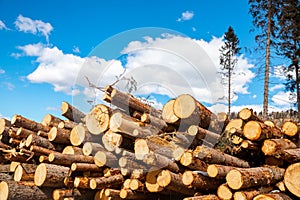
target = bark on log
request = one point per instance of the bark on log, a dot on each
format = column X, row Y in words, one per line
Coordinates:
column 82, row 182
column 91, row 148
column 272, row 196
column 203, row 197
column 20, row 121
column 253, row 177
column 151, row 180
column 102, row 182
column 106, row 158
column 97, row 121
column 72, row 150
column 67, row 124
column 67, row 159
column 291, row 179
column 11, row 190
column 80, row 135
column 251, row 193
column 34, row 139
column 289, row 128
column 25, row 172
column 271, row 146
column 5, row 168
column 58, row 135
column 62, row 194
column 71, row 113
column 254, row 130
column 157, row 122
column 40, row 150
column 213, row 156
column 235, row 123
column 129, row 194
column 81, row 167
column 188, row 160
column 24, row 133
column 50, row 175
column 218, row 171
column 247, row 114
column 203, row 134
column 197, row 180
column 289, row 155
column 224, row 192
column 50, row 120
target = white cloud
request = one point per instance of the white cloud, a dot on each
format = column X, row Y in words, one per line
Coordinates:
column 276, row 87
column 2, row 71
column 49, row 108
column 8, row 85
column 283, row 99
column 254, row 96
column 27, row 25
column 2, row 25
column 194, row 29
column 76, row 49
column 187, row 15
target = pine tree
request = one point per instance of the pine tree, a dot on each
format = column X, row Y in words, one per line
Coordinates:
column 228, row 59
column 289, row 44
column 264, row 13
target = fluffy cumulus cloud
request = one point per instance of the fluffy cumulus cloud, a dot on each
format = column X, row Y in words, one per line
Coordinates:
column 276, row 87
column 2, row 25
column 185, row 16
column 28, row 25
column 283, row 99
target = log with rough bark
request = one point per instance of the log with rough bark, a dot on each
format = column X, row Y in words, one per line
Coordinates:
column 203, row 197
column 25, row 172
column 289, row 128
column 193, row 112
column 40, row 150
column 50, row 175
column 272, row 196
column 292, row 180
column 23, row 132
column 253, row 177
column 97, row 120
column 129, row 163
column 68, row 159
column 59, row 135
column 270, row 146
column 91, row 148
column 224, row 192
column 34, row 139
column 208, row 138
column 78, row 194
column 72, row 113
column 72, row 150
column 247, row 114
column 20, row 121
column 251, row 193
column 157, row 122
column 50, row 120
column 106, row 158
column 81, row 167
column 102, row 182
column 82, row 182
column 79, row 135
column 254, row 130
column 289, row 155
column 218, row 171
column 213, row 156
column 199, row 181
column 187, row 159
column 151, row 180
column 11, row 190
column 4, row 168
column 67, row 124
column 129, row 194
column 173, row 182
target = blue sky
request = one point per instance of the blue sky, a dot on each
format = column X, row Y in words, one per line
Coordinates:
column 45, row 44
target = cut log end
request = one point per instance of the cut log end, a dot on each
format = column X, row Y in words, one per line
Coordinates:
column 252, row 130
column 212, row 171
column 168, row 113
column 164, row 178
column 141, row 149
column 292, row 179
column 234, row 179
column 289, row 129
column 100, row 158
column 184, row 106
column 224, row 192
column 187, row 177
column 77, row 135
column 4, row 190
column 40, row 174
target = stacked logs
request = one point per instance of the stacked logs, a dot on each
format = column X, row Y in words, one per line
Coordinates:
column 129, row 150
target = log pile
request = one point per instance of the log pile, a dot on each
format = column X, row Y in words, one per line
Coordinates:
column 129, row 150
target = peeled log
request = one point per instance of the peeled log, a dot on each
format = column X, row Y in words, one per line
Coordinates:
column 254, row 130
column 20, row 121
column 71, row 113
column 270, row 146
column 292, row 179
column 50, row 175
column 253, row 177
column 214, row 156
column 97, row 121
column 289, row 128
column 199, row 181
column 10, row 190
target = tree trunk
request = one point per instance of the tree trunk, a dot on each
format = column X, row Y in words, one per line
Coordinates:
column 129, row 194
column 91, row 148
column 81, row 167
column 253, row 177
column 25, row 172
column 59, row 194
column 59, row 135
column 218, row 171
column 72, row 150
column 24, row 133
column 71, row 113
column 40, row 150
column 168, row 114
column 251, row 193
column 82, row 182
column 151, row 180
column 20, row 121
column 188, row 160
column 50, row 120
column 68, row 159
column 254, row 130
column 106, row 158
column 247, row 114
column 289, row 155
column 67, row 124
column 271, row 146
column 291, row 179
column 34, row 139
column 103, row 182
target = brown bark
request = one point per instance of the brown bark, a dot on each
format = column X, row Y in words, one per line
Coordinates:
column 72, row 150
column 248, row 144
column 200, row 134
column 68, row 159
column 67, row 124
column 173, row 182
column 271, row 146
column 97, row 121
column 80, row 167
column 50, row 120
column 25, row 172
column 4, row 168
column 291, row 179
column 62, row 194
column 102, row 182
column 129, row 194
column 218, row 171
column 272, row 196
column 289, row 155
column 10, row 190
column 71, row 113
column 203, row 197
column 106, row 158
column 40, row 150
column 157, row 122
column 254, row 130
column 251, row 193
column 59, row 135
column 5, row 177
column 50, row 175
column 188, row 160
column 82, row 182
column 289, row 128
column 79, row 135
column 253, row 177
column 213, row 156
column 42, row 134
column 224, row 192
column 20, row 121
column 129, row 163
column 24, row 133
column 91, row 148
column 34, row 139
column 151, row 180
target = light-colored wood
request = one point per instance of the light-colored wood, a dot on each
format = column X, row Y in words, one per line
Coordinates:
column 192, row 162
column 106, row 158
column 112, row 140
column 129, row 194
column 247, row 114
column 82, row 182
column 203, row 134
column 270, row 146
column 235, row 123
column 79, row 135
column 218, row 171
column 67, row 124
column 289, row 128
column 91, row 148
column 224, row 192
column 151, row 180
column 168, row 113
column 50, row 120
column 72, row 150
column 72, row 113
column 272, row 196
column 81, row 167
column 68, row 159
column 254, row 130
column 97, row 120
column 34, row 139
column 59, row 135
column 62, row 194
column 197, row 180
column 23, row 132
column 203, row 197
column 24, row 172
column 102, row 182
column 40, row 150
column 250, row 193
column 292, row 179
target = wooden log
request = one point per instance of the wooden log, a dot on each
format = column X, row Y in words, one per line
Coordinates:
column 72, row 150
column 224, row 192
column 213, row 156
column 13, row 165
column 197, row 180
column 40, row 150
column 25, row 172
column 91, row 148
column 247, row 114
column 79, row 135
column 289, row 155
column 129, row 163
column 203, row 134
column 250, row 193
column 34, row 139
column 173, row 182
column 58, row 135
column 42, row 134
column 250, row 145
column 5, row 177
column 151, row 180
column 97, row 121
column 67, row 124
column 136, row 184
column 129, row 194
column 80, row 167
column 254, row 130
column 78, row 194
column 72, row 113
column 235, row 123
column 157, row 122
column 272, row 196
column 194, row 163
column 270, row 146
column 50, row 120
column 24, row 133
column 82, row 182
column 68, row 159
column 5, row 168
column 203, row 197
column 50, row 175
column 106, row 158
column 218, row 171
column 193, row 112
column 20, row 121
column 168, row 114
column 253, row 177
column 289, row 128
column 291, row 179
column 112, row 140
column 102, row 182
column 10, row 190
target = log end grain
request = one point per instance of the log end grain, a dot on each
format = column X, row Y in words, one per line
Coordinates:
column 168, row 113
column 184, row 106
column 4, row 190
column 52, row 134
column 141, row 149
column 77, row 135
column 100, row 158
column 187, row 177
column 289, row 128
column 164, row 178
column 212, row 170
column 151, row 180
column 234, row 179
column 252, row 130
column 40, row 174
column 292, row 179
column 97, row 121
column 224, row 192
